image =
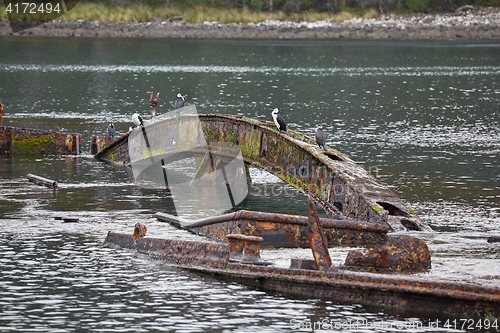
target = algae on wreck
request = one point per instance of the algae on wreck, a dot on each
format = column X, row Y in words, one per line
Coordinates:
column 31, row 143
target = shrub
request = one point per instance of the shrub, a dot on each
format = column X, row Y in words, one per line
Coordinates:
column 418, row 6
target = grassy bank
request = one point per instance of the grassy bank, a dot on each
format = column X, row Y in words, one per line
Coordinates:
column 143, row 13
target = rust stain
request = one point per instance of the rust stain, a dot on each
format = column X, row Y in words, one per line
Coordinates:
column 69, row 142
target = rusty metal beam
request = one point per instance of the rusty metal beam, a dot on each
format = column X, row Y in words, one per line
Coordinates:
column 317, row 239
column 281, row 229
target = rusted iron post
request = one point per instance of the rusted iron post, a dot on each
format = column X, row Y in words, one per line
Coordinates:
column 42, row 181
column 139, row 231
column 244, row 248
column 94, row 145
column 317, row 239
column 235, row 247
column 251, row 249
column 98, row 143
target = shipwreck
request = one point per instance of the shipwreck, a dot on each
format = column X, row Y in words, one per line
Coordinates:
column 380, row 277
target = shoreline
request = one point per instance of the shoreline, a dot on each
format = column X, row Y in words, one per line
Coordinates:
column 479, row 24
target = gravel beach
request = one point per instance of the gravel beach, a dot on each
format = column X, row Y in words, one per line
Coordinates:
column 472, row 24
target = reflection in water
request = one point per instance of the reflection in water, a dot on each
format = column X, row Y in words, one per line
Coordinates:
column 421, row 117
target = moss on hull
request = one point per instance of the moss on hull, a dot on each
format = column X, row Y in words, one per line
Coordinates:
column 32, row 143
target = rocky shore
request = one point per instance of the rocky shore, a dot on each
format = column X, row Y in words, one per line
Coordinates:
column 472, row 24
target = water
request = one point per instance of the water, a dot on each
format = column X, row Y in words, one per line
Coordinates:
column 423, row 117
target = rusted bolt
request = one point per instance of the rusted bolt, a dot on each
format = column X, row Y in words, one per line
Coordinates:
column 139, row 231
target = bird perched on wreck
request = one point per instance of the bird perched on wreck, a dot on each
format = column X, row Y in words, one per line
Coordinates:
column 137, row 120
column 179, row 102
column 321, row 137
column 111, row 131
column 278, row 120
column 153, row 102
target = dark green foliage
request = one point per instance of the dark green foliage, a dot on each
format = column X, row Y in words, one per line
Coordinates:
column 293, row 6
column 418, row 6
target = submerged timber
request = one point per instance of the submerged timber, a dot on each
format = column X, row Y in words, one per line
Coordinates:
column 335, row 181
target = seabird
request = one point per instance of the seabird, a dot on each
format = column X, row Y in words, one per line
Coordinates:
column 178, row 105
column 153, row 102
column 278, row 120
column 111, row 131
column 320, row 137
column 179, row 102
column 137, row 120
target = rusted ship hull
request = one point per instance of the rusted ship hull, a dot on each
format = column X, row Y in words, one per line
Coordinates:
column 336, row 182
column 15, row 140
column 386, row 290
column 281, row 230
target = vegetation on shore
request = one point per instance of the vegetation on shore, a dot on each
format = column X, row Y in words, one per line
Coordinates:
column 248, row 11
column 140, row 12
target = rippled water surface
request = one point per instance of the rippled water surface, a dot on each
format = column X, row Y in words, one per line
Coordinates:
column 423, row 117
